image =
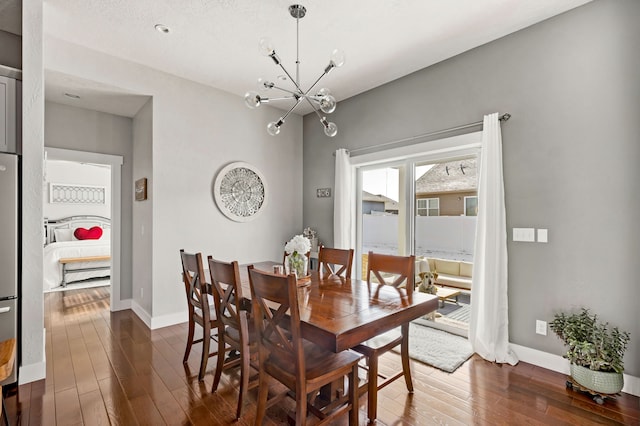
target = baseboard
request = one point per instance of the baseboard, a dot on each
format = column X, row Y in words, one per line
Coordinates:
column 121, row 305
column 170, row 319
column 159, row 321
column 141, row 313
column 34, row 372
column 561, row 365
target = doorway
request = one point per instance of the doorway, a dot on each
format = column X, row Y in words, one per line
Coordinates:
column 114, row 162
column 422, row 200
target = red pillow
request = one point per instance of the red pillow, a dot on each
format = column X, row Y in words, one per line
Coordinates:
column 88, row 234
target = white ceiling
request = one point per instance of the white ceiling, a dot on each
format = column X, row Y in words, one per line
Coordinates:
column 215, row 42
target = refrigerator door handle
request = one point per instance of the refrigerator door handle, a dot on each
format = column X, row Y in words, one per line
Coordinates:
column 5, row 309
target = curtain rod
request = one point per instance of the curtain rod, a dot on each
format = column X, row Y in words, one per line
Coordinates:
column 504, row 117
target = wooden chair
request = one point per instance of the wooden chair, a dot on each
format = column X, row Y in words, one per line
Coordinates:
column 200, row 311
column 7, row 358
column 401, row 269
column 300, row 365
column 234, row 329
column 330, row 258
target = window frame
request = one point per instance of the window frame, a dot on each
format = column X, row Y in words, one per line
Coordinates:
column 465, row 205
column 428, row 208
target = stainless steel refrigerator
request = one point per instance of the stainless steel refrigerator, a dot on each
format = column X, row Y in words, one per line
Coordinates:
column 9, row 250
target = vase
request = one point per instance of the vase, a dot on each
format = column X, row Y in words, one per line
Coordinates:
column 296, row 263
column 598, row 381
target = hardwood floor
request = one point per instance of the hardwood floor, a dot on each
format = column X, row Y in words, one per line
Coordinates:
column 109, row 368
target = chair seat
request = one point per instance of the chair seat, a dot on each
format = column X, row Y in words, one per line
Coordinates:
column 317, row 362
column 380, row 344
column 234, row 333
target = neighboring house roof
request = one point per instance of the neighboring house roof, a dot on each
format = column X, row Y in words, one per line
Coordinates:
column 449, row 177
column 389, row 203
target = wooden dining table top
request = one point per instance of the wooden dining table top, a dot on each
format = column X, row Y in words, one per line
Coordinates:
column 339, row 313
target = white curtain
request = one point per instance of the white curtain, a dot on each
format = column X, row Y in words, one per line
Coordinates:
column 489, row 329
column 343, row 201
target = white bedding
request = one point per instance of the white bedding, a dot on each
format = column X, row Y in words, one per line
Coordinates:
column 52, row 270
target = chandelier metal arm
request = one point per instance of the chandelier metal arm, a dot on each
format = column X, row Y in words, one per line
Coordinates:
column 286, row 90
column 295, row 83
column 315, row 83
column 282, row 98
column 290, row 109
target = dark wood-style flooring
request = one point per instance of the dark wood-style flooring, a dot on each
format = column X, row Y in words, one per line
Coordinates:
column 109, row 368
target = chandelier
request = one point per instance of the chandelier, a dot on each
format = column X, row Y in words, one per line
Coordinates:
column 321, row 100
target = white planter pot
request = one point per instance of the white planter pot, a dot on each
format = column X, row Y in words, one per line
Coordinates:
column 598, row 381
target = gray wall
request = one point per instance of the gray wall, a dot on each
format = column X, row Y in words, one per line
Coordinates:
column 10, row 50
column 572, row 86
column 92, row 131
column 142, row 210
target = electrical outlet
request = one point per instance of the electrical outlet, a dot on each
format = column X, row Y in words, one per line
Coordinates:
column 541, row 327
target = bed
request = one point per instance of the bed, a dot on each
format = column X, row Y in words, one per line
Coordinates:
column 61, row 244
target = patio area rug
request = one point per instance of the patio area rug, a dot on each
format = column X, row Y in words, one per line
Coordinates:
column 436, row 348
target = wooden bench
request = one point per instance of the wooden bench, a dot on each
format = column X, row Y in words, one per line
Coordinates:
column 7, row 358
column 71, row 260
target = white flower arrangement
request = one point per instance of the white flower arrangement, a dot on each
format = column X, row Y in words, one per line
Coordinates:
column 299, row 244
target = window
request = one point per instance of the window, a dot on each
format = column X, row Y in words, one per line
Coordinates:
column 471, row 206
column 428, row 207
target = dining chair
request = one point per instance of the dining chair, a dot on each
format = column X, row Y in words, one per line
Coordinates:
column 7, row 358
column 300, row 365
column 235, row 331
column 200, row 310
column 398, row 272
column 329, row 259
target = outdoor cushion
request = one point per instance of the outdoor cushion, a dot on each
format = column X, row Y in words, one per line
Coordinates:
column 454, row 281
column 466, row 268
column 451, row 267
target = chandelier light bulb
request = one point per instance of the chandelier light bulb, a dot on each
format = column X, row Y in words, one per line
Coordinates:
column 337, row 58
column 323, row 92
column 265, row 84
column 266, row 47
column 273, row 128
column 328, row 104
column 331, row 130
column 252, row 99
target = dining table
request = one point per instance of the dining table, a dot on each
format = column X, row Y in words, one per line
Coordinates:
column 339, row 313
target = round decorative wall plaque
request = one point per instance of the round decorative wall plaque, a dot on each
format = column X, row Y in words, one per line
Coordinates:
column 240, row 191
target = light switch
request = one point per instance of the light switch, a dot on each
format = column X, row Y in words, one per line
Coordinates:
column 542, row 236
column 524, row 234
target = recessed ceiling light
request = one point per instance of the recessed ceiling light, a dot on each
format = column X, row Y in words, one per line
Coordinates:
column 72, row 95
column 162, row 28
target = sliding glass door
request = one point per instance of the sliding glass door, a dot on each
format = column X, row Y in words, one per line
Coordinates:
column 446, row 206
column 422, row 199
column 382, row 212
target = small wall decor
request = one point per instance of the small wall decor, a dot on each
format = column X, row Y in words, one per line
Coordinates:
column 141, row 189
column 323, row 192
column 76, row 194
column 240, row 191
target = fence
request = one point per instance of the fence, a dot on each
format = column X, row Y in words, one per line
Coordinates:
column 455, row 234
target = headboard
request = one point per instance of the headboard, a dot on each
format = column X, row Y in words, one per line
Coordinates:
column 72, row 223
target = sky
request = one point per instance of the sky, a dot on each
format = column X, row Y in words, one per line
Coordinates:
column 384, row 181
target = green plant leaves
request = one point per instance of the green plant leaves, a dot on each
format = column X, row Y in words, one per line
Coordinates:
column 591, row 343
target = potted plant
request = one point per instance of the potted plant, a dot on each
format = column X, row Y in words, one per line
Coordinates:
column 595, row 351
